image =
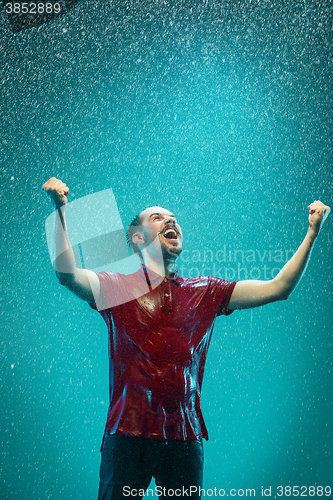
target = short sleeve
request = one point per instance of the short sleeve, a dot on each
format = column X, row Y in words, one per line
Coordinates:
column 117, row 289
column 226, row 288
column 111, row 291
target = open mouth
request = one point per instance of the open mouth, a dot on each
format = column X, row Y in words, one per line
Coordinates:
column 170, row 234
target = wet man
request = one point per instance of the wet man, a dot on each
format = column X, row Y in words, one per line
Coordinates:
column 160, row 326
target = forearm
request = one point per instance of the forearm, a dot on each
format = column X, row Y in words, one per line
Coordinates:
column 254, row 293
column 292, row 271
column 62, row 255
column 82, row 282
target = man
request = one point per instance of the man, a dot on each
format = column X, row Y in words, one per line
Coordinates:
column 160, row 327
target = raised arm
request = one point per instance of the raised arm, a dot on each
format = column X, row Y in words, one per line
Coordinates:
column 253, row 293
column 82, row 282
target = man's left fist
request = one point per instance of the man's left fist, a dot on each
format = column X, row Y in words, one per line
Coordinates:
column 318, row 214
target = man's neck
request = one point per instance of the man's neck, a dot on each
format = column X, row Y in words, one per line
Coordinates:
column 167, row 268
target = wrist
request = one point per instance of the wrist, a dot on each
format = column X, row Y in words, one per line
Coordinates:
column 58, row 205
column 312, row 233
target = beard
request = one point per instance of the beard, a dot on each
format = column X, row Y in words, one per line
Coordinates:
column 171, row 251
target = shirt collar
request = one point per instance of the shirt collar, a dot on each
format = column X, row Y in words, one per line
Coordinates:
column 153, row 277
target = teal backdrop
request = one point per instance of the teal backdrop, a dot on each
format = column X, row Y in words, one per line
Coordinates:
column 220, row 111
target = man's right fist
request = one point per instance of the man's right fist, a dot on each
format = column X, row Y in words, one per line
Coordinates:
column 57, row 191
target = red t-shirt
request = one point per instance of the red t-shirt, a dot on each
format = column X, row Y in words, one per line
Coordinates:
column 158, row 343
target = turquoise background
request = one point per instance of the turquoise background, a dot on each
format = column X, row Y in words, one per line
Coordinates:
column 222, row 113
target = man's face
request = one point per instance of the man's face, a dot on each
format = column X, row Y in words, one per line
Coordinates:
column 159, row 222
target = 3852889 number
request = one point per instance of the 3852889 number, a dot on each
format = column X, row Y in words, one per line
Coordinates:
column 33, row 8
column 303, row 491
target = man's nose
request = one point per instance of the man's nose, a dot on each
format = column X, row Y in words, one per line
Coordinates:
column 171, row 220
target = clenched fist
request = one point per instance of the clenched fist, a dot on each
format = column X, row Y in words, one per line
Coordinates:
column 57, row 192
column 318, row 214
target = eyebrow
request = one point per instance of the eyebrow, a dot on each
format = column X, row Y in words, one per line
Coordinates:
column 157, row 213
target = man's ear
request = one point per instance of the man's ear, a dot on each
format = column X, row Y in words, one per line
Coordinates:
column 138, row 239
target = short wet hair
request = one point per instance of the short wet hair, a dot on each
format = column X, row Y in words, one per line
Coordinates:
column 132, row 229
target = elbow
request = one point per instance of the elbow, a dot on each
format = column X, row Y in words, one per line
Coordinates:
column 282, row 290
column 283, row 294
column 64, row 279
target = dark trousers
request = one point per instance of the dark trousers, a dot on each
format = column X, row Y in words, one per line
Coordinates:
column 129, row 463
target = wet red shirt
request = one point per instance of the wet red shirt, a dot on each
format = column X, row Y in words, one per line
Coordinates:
column 158, row 343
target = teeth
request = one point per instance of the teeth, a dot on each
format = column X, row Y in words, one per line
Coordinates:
column 172, row 231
